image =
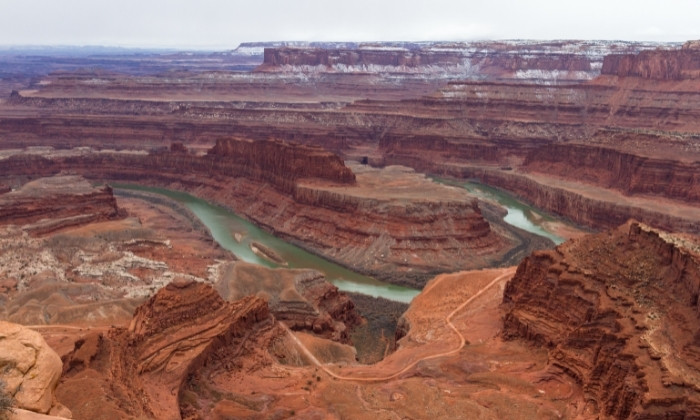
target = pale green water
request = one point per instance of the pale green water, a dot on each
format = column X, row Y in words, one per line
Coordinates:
column 519, row 214
column 223, row 224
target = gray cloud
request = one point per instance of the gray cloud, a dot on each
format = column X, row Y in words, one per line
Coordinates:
column 224, row 24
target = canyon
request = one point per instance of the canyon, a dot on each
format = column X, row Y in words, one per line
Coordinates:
column 390, row 223
column 619, row 130
column 335, row 147
column 601, row 326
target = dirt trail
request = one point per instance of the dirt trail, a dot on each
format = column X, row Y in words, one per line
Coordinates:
column 52, row 326
column 448, row 320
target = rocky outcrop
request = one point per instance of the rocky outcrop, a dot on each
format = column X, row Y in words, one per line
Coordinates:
column 329, row 300
column 29, row 367
column 618, row 312
column 682, row 64
column 49, row 204
column 302, row 299
column 144, row 368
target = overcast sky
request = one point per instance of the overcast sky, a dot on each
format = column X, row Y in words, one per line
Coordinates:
column 225, row 24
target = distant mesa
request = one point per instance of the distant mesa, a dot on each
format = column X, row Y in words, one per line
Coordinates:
column 660, row 64
column 378, row 56
column 519, row 61
column 692, row 45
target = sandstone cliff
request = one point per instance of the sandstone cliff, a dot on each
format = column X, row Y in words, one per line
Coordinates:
column 609, row 168
column 280, row 162
column 656, row 64
column 618, row 312
column 141, row 371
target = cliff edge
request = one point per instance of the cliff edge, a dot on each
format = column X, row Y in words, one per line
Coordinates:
column 618, row 312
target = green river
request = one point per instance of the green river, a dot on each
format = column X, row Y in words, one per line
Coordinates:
column 224, row 224
column 520, row 215
column 236, row 235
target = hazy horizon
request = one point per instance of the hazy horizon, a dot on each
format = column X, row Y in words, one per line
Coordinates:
column 217, row 25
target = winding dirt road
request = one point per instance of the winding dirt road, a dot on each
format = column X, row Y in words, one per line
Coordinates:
column 448, row 320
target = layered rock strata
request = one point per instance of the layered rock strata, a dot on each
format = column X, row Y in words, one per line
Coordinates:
column 618, row 312
column 641, row 130
column 49, row 204
column 658, row 64
column 579, row 202
column 522, row 61
column 140, row 371
column 391, row 223
column 88, row 270
column 279, row 162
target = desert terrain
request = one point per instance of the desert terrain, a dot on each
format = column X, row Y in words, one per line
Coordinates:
column 396, row 162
